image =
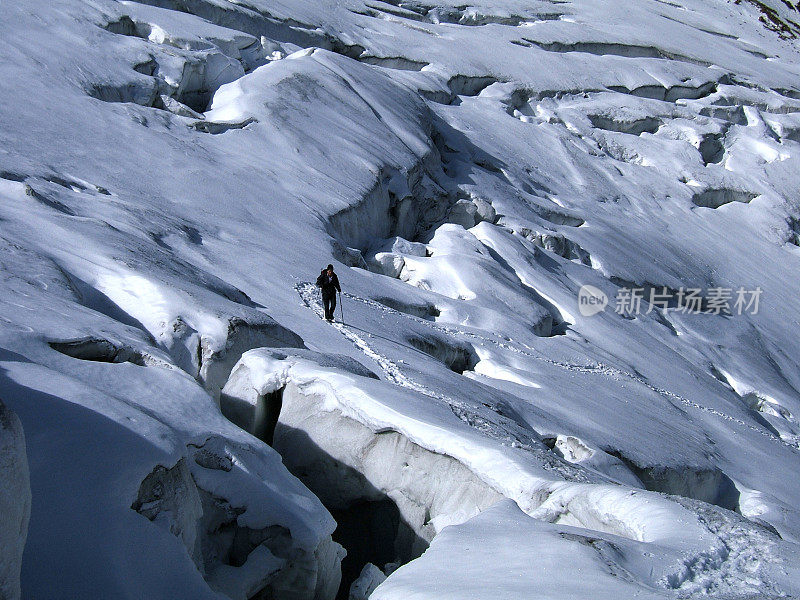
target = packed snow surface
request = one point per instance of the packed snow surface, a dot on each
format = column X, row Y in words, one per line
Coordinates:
column 173, row 175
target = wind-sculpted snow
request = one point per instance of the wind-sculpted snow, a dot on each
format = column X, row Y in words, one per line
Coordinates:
column 173, row 175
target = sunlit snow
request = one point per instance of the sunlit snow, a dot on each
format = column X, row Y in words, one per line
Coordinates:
column 175, row 173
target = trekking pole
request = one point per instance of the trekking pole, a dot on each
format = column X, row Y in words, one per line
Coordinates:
column 341, row 306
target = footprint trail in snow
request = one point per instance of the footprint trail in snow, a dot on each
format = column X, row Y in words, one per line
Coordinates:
column 311, row 298
column 502, row 429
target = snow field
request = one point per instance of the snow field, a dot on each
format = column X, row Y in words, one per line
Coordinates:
column 172, row 173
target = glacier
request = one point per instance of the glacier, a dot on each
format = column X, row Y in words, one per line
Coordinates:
column 176, row 419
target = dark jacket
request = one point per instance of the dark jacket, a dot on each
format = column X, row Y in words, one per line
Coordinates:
column 329, row 286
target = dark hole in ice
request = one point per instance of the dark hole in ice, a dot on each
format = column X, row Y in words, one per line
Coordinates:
column 197, row 100
column 9, row 176
column 632, row 127
column 47, row 200
column 465, row 85
column 707, row 484
column 215, row 128
column 716, row 197
column 671, row 94
column 122, row 26
column 369, row 524
column 458, row 357
column 794, row 231
column 99, row 350
column 261, row 419
column 271, row 409
column 711, row 148
column 555, row 217
column 422, row 310
column 147, row 67
column 394, row 62
column 550, row 442
column 364, row 529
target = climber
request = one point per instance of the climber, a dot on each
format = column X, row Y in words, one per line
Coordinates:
column 329, row 283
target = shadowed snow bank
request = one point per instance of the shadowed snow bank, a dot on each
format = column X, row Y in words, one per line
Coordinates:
column 15, row 502
column 389, row 495
column 239, row 561
column 392, row 491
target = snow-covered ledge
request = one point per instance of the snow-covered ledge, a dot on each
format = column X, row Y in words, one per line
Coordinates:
column 353, row 442
column 389, row 494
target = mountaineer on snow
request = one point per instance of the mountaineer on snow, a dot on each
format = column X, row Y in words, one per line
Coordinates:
column 328, row 282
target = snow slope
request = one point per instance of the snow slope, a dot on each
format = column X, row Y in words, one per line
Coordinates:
column 15, row 501
column 174, row 172
column 602, row 565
